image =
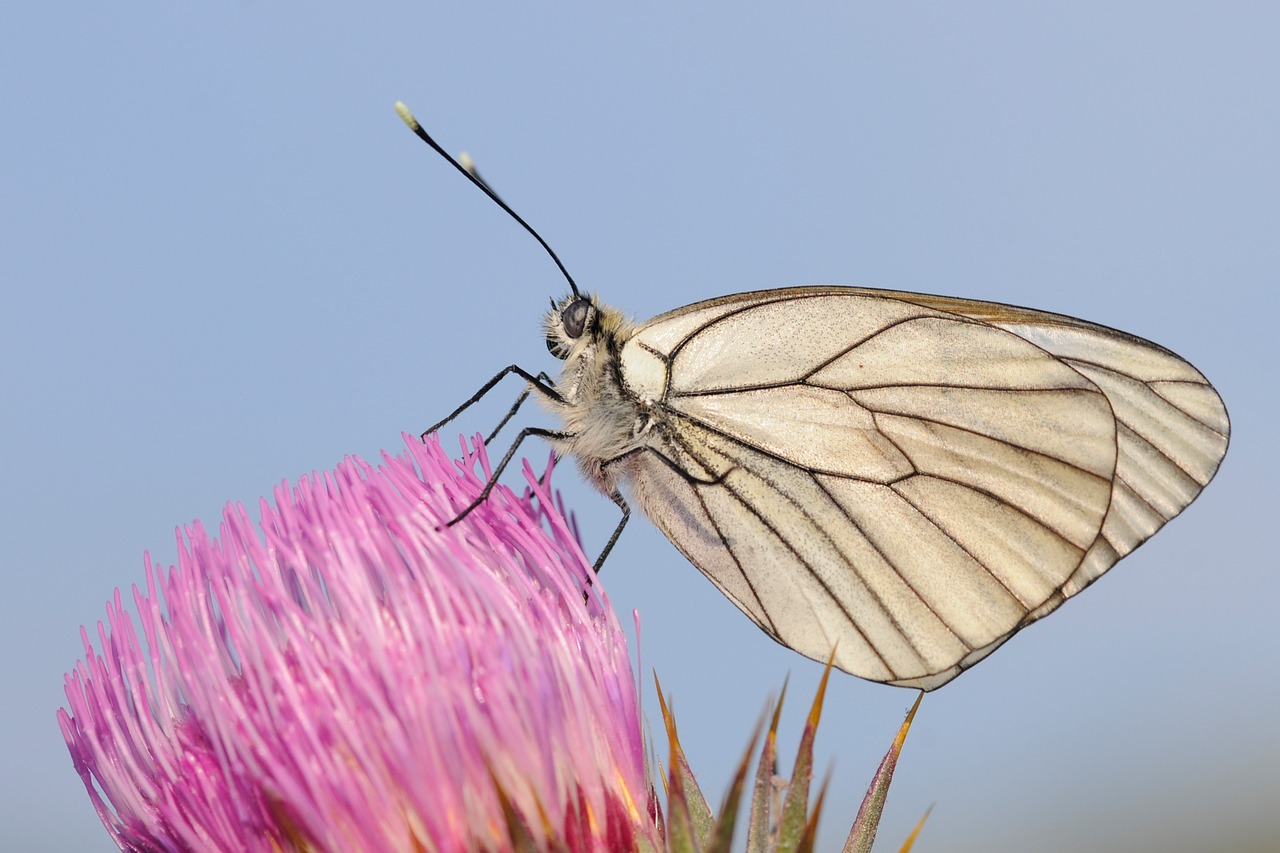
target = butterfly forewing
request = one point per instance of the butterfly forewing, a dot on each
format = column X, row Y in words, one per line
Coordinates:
column 907, row 479
column 1171, row 426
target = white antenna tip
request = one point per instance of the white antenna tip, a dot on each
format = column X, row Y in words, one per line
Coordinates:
column 464, row 159
column 406, row 116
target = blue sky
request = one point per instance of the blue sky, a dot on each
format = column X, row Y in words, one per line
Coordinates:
column 226, row 263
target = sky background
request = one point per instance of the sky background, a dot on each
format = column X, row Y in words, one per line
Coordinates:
column 226, row 263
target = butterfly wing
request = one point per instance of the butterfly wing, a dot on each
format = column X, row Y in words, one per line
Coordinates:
column 1172, row 427
column 908, row 480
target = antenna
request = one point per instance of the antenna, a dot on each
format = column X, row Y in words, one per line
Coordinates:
column 473, row 176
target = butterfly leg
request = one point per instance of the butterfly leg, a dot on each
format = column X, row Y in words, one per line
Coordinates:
column 497, row 472
column 622, row 504
column 515, row 407
column 541, row 383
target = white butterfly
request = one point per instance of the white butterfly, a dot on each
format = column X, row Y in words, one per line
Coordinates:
column 902, row 480
column 905, row 479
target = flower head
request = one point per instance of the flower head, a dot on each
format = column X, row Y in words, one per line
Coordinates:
column 357, row 675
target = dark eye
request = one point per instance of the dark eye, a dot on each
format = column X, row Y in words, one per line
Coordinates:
column 574, row 317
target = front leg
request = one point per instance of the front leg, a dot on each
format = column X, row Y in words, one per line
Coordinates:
column 552, row 435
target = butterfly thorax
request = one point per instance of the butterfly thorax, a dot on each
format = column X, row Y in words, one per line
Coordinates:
column 602, row 422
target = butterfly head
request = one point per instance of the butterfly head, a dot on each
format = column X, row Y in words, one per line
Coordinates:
column 571, row 322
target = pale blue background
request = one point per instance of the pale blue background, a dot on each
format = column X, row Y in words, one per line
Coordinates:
column 225, row 262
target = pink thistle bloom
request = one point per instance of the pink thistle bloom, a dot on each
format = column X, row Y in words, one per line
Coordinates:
column 358, row 677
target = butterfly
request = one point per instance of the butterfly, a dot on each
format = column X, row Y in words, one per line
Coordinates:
column 894, row 481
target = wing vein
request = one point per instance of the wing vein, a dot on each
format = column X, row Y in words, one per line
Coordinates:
column 745, row 442
column 1204, row 385
column 889, row 562
column 773, row 530
column 971, row 431
column 972, row 556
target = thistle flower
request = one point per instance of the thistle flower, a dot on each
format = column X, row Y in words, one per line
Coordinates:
column 359, row 676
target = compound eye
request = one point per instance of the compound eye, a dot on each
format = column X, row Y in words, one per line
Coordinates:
column 574, row 317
